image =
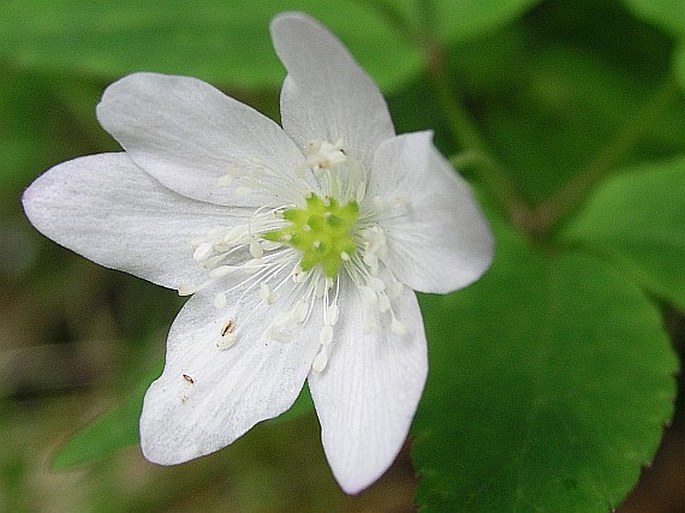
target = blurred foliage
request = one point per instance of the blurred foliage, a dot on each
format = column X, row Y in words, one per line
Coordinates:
column 551, row 379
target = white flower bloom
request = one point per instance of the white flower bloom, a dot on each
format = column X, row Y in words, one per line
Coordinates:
column 300, row 246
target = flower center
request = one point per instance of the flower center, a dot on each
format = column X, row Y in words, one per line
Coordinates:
column 292, row 257
column 322, row 231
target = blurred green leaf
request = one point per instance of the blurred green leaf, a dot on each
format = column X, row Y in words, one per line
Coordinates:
column 224, row 42
column 565, row 108
column 458, row 20
column 668, row 14
column 679, row 65
column 115, row 430
column 24, row 128
column 302, row 405
column 550, row 382
column 637, row 220
column 118, row 428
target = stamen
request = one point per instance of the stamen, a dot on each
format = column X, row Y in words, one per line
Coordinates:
column 256, row 249
column 369, row 296
column 383, row 302
column 300, row 311
column 266, row 294
column 326, row 335
column 319, row 287
column 203, row 251
column 375, row 283
column 320, row 361
column 220, row 271
column 398, row 327
column 333, row 314
column 227, row 336
column 187, row 289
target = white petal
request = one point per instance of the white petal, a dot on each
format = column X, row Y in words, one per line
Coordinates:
column 107, row 209
column 438, row 240
column 367, row 395
column 208, row 397
column 326, row 95
column 188, row 135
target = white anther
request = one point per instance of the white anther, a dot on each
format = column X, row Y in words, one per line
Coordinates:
column 266, row 293
column 345, row 256
column 383, row 302
column 220, row 271
column 397, row 288
column 319, row 288
column 226, row 341
column 268, row 245
column 333, row 314
column 225, row 180
column 221, row 247
column 283, row 328
column 324, row 155
column 227, row 336
column 312, row 147
column 369, row 297
column 326, row 335
column 320, row 361
column 398, row 327
column 298, row 275
column 371, row 260
column 376, row 283
column 212, row 262
column 252, row 266
column 299, row 313
column 370, row 325
column 361, row 192
column 187, row 289
column 234, row 234
column 256, row 250
column 220, row 300
column 203, row 251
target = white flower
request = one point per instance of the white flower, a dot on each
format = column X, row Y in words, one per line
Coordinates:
column 300, row 247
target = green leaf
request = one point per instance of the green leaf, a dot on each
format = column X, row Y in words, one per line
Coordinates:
column 223, row 42
column 549, row 385
column 667, row 14
column 636, row 219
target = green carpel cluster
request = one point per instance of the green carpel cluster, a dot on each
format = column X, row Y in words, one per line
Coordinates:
column 322, row 232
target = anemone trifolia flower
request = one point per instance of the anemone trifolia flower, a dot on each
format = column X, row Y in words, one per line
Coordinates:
column 300, row 247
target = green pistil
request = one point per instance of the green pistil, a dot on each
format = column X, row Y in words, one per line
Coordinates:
column 321, row 232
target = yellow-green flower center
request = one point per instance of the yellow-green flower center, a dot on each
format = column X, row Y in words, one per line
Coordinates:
column 321, row 231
